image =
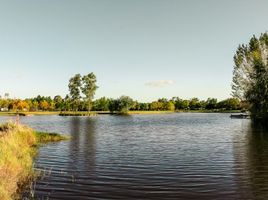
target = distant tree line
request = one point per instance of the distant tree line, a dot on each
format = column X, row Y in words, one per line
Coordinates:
column 82, row 90
column 122, row 104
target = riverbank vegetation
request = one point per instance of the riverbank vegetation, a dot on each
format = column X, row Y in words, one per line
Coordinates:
column 250, row 82
column 82, row 90
column 47, row 105
column 18, row 145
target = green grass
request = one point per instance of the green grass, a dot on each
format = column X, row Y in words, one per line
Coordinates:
column 43, row 137
column 18, row 145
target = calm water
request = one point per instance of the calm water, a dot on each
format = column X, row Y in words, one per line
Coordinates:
column 176, row 156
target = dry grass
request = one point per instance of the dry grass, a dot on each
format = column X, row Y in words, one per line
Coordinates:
column 16, row 142
column 17, row 148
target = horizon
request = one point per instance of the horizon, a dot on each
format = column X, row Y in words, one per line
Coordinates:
column 143, row 49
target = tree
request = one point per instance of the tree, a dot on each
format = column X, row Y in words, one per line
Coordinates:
column 44, row 105
column 169, row 106
column 58, row 101
column 211, row 103
column 74, row 88
column 144, row 106
column 114, row 105
column 156, row 105
column 35, row 105
column 89, row 88
column 194, row 104
column 185, row 104
column 124, row 104
column 67, row 103
column 101, row 104
column 250, row 75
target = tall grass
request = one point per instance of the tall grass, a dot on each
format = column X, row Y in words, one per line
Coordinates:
column 17, row 148
column 16, row 158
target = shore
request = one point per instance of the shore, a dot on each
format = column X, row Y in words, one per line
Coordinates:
column 18, row 146
column 93, row 113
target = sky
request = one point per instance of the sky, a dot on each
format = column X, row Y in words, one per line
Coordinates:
column 146, row 49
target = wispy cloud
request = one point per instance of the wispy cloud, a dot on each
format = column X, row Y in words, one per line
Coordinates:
column 160, row 83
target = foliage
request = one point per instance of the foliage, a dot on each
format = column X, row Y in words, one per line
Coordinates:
column 89, row 88
column 124, row 104
column 250, row 74
column 101, row 104
column 211, row 103
column 58, row 103
column 74, row 88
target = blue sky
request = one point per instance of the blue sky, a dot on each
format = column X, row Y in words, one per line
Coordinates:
column 146, row 49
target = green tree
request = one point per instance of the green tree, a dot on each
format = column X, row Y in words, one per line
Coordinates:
column 58, row 101
column 114, row 105
column 67, row 103
column 144, row 106
column 124, row 104
column 74, row 88
column 169, row 106
column 194, row 104
column 89, row 88
column 101, row 104
column 250, row 75
column 211, row 103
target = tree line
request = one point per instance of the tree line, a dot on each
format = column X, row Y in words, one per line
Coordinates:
column 81, row 94
column 122, row 104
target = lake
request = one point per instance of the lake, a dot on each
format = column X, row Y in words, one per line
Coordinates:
column 173, row 156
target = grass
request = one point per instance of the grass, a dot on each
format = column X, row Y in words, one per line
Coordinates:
column 43, row 137
column 12, row 113
column 18, row 145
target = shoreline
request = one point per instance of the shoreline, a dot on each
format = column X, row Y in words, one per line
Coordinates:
column 94, row 113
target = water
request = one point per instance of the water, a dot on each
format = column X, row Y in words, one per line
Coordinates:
column 175, row 156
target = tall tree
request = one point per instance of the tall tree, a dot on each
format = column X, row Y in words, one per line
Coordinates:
column 89, row 88
column 74, row 88
column 250, row 75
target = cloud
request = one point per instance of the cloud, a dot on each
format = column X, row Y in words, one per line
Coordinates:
column 160, row 83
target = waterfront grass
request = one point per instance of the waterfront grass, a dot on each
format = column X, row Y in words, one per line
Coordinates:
column 18, row 145
column 44, row 137
column 14, row 113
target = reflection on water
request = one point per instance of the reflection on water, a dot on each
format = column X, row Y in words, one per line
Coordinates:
column 177, row 156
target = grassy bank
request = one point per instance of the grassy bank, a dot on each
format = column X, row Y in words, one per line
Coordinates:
column 18, row 145
column 13, row 113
